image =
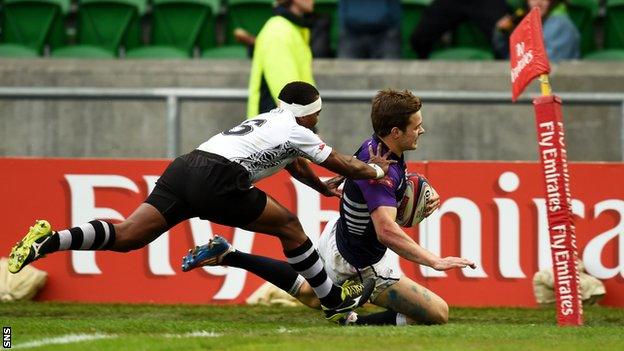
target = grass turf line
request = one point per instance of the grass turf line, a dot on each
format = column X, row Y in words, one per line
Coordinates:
column 175, row 327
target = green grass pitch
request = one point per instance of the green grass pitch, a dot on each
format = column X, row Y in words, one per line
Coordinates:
column 60, row 326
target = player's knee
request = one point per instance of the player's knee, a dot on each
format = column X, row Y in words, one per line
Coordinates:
column 307, row 296
column 126, row 240
column 440, row 313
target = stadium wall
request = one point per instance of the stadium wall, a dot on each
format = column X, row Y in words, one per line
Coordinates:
column 136, row 129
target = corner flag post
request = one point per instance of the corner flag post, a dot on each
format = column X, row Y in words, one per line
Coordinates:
column 528, row 60
column 545, row 85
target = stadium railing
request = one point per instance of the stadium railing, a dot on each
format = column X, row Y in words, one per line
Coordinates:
column 173, row 97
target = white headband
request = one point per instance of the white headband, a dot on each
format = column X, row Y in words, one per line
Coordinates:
column 302, row 110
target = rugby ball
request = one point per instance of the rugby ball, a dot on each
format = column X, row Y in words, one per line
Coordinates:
column 411, row 209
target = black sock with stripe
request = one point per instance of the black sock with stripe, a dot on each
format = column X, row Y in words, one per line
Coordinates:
column 95, row 235
column 388, row 317
column 278, row 273
column 306, row 261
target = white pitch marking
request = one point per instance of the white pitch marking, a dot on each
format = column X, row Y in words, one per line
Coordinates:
column 64, row 339
column 194, row 334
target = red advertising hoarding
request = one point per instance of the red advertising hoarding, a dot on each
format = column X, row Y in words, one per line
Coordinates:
column 494, row 213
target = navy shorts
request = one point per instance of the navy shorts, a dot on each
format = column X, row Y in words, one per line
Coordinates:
column 208, row 186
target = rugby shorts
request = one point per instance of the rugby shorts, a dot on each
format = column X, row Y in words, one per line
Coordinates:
column 208, row 186
column 339, row 270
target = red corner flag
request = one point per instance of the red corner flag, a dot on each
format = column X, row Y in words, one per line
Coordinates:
column 529, row 60
column 526, row 52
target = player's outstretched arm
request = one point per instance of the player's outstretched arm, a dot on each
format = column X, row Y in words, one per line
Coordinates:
column 353, row 168
column 392, row 236
column 300, row 169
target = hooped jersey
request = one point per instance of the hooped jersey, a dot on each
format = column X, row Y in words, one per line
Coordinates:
column 356, row 238
column 267, row 143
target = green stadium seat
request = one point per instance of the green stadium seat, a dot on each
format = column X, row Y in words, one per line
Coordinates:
column 249, row 15
column 469, row 35
column 606, row 55
column 613, row 34
column 614, row 25
column 29, row 25
column 516, row 4
column 226, row 52
column 462, row 54
column 330, row 8
column 83, row 51
column 104, row 27
column 412, row 11
column 158, row 52
column 583, row 13
column 177, row 26
column 17, row 50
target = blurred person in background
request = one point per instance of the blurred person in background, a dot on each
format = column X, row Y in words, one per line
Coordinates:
column 444, row 15
column 561, row 37
column 319, row 36
column 369, row 29
column 281, row 54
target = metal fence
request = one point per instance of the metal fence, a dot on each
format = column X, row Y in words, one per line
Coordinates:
column 173, row 97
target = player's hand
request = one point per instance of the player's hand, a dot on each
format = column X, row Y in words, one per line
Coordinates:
column 446, row 263
column 332, row 186
column 433, row 203
column 378, row 159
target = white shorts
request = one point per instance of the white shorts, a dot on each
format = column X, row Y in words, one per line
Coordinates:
column 339, row 270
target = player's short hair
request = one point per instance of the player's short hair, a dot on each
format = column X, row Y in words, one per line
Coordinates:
column 301, row 93
column 284, row 3
column 393, row 108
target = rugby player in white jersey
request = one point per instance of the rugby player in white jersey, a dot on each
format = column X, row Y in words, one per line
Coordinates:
column 215, row 182
column 354, row 245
